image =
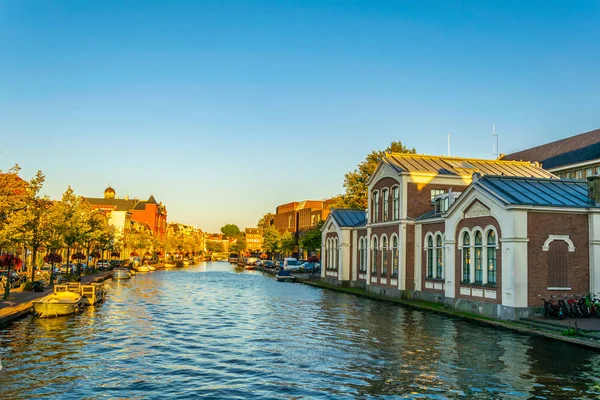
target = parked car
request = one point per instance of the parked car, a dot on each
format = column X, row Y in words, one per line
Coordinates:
column 291, row 264
column 310, row 266
column 268, row 264
column 15, row 279
column 233, row 258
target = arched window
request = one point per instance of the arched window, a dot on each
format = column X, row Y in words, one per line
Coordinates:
column 430, row 257
column 478, row 257
column 375, row 206
column 361, row 254
column 386, row 210
column 396, row 200
column 395, row 256
column 438, row 257
column 374, row 256
column 327, row 254
column 336, row 261
column 491, row 257
column 384, row 256
column 466, row 258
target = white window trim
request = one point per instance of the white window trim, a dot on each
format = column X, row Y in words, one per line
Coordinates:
column 552, row 238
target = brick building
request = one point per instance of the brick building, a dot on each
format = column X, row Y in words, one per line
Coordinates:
column 254, row 239
column 148, row 212
column 574, row 157
column 484, row 236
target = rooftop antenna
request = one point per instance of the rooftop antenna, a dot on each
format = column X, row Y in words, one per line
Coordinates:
column 448, row 144
column 495, row 145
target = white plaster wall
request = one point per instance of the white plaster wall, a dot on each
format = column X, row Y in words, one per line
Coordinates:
column 594, row 226
column 345, row 267
column 418, row 256
column 355, row 254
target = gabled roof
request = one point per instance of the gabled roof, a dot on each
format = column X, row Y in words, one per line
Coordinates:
column 572, row 150
column 536, row 191
column 466, row 167
column 349, row 218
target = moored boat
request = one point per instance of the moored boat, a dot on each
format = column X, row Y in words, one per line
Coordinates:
column 121, row 273
column 142, row 268
column 57, row 305
column 285, row 276
column 169, row 265
column 251, row 266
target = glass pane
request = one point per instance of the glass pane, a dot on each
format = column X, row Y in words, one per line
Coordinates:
column 478, row 240
column 491, row 239
column 439, row 241
column 466, row 239
column 430, row 242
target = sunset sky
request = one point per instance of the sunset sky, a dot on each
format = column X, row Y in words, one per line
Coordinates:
column 224, row 109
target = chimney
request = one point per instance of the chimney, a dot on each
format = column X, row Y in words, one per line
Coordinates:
column 594, row 189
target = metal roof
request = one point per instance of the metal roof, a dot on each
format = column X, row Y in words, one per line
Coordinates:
column 457, row 166
column 349, row 218
column 536, row 191
column 572, row 150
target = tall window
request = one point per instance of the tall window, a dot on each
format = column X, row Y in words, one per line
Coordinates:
column 478, row 257
column 438, row 257
column 491, row 257
column 466, row 258
column 337, row 253
column 558, row 264
column 375, row 206
column 395, row 258
column 396, row 194
column 384, row 194
column 430, row 257
column 436, row 192
column 361, row 254
column 374, row 256
column 384, row 256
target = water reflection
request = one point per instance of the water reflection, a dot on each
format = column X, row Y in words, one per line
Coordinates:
column 222, row 332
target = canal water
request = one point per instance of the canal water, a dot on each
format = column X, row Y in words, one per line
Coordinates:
column 211, row 331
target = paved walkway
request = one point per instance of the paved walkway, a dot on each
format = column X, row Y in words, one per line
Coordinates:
column 20, row 302
column 588, row 324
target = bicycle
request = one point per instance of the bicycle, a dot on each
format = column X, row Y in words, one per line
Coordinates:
column 552, row 309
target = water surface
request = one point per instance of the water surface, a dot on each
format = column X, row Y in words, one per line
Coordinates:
column 211, row 331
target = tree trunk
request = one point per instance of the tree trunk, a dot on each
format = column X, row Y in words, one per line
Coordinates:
column 34, row 256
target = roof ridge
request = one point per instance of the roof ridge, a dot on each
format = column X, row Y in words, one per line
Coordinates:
column 455, row 158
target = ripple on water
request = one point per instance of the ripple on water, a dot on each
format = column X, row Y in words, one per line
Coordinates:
column 207, row 332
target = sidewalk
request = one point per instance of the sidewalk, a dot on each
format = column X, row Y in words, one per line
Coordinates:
column 20, row 303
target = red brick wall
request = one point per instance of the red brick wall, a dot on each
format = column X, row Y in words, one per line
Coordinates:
column 378, row 186
column 419, row 197
column 471, row 223
column 539, row 226
column 425, row 229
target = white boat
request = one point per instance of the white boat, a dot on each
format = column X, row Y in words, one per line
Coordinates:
column 57, row 305
column 151, row 267
column 121, row 273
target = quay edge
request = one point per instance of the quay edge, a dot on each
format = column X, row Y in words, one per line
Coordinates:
column 515, row 326
column 20, row 310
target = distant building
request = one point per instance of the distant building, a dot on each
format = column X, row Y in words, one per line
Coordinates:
column 254, row 239
column 149, row 211
column 574, row 157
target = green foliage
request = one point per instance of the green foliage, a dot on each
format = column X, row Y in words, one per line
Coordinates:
column 238, row 246
column 355, row 181
column 287, row 242
column 311, row 239
column 215, row 247
column 265, row 221
column 271, row 240
column 230, row 231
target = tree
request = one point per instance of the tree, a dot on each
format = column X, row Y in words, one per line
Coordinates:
column 230, row 231
column 215, row 247
column 355, row 181
column 238, row 246
column 271, row 240
column 287, row 242
column 311, row 240
column 265, row 221
column 71, row 220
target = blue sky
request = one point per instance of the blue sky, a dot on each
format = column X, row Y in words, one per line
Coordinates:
column 224, row 109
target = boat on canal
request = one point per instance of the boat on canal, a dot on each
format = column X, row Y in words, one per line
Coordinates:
column 90, row 294
column 169, row 265
column 58, row 304
column 121, row 273
column 142, row 268
column 285, row 276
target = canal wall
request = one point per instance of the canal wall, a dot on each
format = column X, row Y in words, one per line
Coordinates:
column 546, row 330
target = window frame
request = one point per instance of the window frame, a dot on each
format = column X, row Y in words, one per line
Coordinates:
column 439, row 256
column 396, row 202
column 466, row 256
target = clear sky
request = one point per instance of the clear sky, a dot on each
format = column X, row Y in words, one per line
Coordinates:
column 224, row 109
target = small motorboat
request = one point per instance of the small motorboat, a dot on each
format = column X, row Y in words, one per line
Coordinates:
column 142, row 268
column 121, row 273
column 250, row 266
column 169, row 265
column 58, row 304
column 285, row 276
